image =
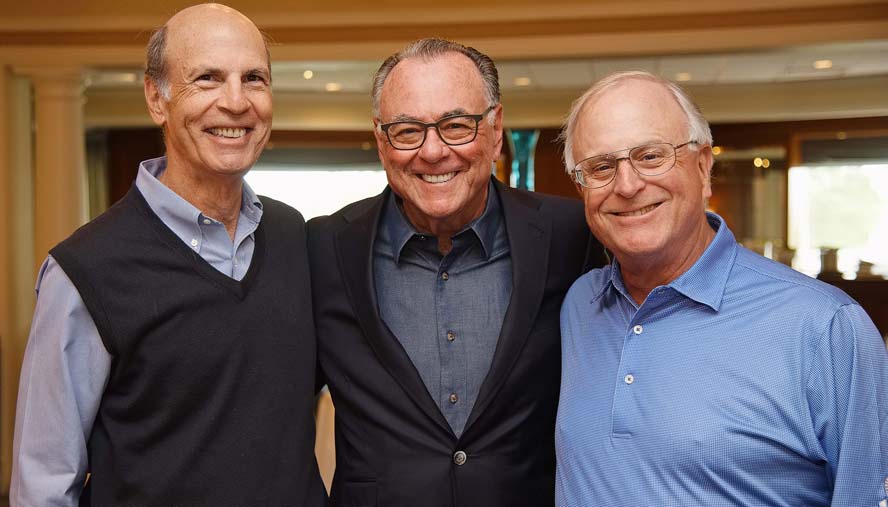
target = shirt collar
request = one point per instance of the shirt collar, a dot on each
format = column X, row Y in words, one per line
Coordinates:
column 399, row 230
column 177, row 213
column 706, row 280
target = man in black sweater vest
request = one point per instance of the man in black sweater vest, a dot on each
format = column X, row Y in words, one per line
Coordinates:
column 172, row 355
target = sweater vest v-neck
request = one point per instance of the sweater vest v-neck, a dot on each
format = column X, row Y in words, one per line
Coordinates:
column 212, row 383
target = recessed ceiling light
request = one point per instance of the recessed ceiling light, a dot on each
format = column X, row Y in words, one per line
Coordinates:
column 522, row 81
column 841, row 135
column 683, row 76
column 333, row 87
column 308, row 74
column 766, row 163
column 823, row 64
column 716, row 150
column 757, row 162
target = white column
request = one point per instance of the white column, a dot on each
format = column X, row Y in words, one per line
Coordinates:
column 16, row 250
column 60, row 197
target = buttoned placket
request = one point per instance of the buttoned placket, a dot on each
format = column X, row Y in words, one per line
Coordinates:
column 630, row 379
column 451, row 387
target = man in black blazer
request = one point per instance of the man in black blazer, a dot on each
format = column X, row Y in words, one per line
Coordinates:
column 437, row 302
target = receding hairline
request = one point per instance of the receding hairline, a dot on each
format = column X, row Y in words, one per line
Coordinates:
column 696, row 123
column 157, row 50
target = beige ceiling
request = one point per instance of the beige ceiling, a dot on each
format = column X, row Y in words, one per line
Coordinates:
column 744, row 60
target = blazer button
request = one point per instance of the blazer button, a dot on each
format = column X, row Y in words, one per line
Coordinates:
column 459, row 458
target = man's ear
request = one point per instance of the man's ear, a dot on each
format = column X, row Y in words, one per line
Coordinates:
column 704, row 167
column 381, row 139
column 579, row 189
column 498, row 131
column 157, row 104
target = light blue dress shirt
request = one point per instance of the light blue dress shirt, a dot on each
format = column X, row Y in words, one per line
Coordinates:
column 741, row 383
column 66, row 365
column 447, row 311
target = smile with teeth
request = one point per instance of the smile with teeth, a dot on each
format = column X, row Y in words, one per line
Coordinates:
column 232, row 133
column 638, row 212
column 437, row 178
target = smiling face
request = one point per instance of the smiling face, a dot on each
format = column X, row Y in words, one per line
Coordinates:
column 653, row 221
column 218, row 116
column 443, row 187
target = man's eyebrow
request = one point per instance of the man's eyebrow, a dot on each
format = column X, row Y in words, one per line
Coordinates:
column 453, row 112
column 216, row 71
column 446, row 114
column 201, row 70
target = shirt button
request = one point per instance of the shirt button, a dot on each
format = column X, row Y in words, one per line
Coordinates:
column 207, row 221
column 445, row 276
column 450, row 336
column 459, row 458
column 453, row 398
column 629, row 379
column 194, row 242
column 421, row 237
column 637, row 329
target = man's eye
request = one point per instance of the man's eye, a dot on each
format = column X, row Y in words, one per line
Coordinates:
column 651, row 156
column 455, row 126
column 600, row 167
column 255, row 78
column 405, row 131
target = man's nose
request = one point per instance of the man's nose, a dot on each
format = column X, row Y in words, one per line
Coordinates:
column 433, row 149
column 233, row 98
column 627, row 181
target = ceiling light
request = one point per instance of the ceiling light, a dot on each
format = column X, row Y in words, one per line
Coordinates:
column 841, row 135
column 823, row 64
column 716, row 150
column 766, row 163
column 333, row 87
column 757, row 162
column 522, row 81
column 683, row 76
column 308, row 74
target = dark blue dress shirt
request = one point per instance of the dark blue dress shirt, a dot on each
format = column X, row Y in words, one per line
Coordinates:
column 446, row 310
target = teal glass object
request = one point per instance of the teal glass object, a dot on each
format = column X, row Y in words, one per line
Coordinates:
column 522, row 142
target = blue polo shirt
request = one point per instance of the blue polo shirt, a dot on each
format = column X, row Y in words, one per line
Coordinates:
column 742, row 382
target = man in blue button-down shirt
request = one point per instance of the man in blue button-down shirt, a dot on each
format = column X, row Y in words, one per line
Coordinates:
column 696, row 372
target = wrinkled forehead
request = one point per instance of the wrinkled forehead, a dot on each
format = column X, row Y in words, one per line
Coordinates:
column 200, row 36
column 627, row 114
column 426, row 87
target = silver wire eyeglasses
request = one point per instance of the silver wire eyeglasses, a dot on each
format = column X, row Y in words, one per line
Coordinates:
column 647, row 160
column 452, row 130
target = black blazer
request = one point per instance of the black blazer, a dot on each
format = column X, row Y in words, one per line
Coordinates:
column 393, row 446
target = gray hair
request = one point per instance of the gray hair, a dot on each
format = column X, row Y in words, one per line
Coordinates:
column 429, row 49
column 698, row 127
column 155, row 63
column 155, row 59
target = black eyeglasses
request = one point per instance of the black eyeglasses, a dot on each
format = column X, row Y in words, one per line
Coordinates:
column 648, row 160
column 453, row 130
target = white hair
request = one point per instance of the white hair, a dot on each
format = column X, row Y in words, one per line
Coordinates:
column 698, row 127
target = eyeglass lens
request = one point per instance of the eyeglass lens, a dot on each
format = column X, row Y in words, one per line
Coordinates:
column 648, row 160
column 453, row 130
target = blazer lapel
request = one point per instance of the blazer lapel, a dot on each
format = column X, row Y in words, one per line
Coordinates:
column 354, row 248
column 528, row 233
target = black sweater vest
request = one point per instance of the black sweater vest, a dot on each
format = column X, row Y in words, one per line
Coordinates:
column 210, row 397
